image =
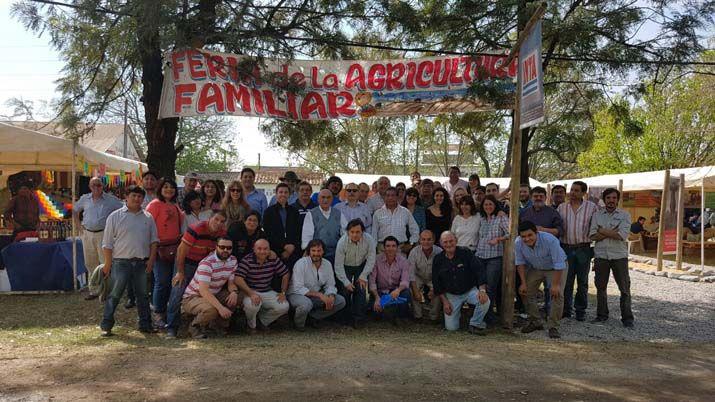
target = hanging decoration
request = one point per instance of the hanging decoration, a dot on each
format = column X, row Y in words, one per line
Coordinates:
column 51, row 208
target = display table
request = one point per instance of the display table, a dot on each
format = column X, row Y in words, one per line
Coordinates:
column 41, row 266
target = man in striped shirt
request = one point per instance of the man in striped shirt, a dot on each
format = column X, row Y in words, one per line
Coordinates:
column 394, row 220
column 253, row 276
column 205, row 297
column 575, row 241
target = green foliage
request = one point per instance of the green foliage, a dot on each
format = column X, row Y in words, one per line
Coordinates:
column 205, row 145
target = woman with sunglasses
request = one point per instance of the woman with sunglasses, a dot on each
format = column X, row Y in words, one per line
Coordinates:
column 212, row 195
column 439, row 215
column 234, row 203
column 414, row 205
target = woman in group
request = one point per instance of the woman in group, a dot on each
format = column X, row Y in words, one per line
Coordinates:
column 414, row 205
column 211, row 195
column 439, row 215
column 459, row 192
column 234, row 203
column 244, row 234
column 401, row 189
column 170, row 226
column 466, row 224
column 493, row 233
column 193, row 204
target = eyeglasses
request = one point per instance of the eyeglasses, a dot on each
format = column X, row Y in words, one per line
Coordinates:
column 225, row 248
column 234, row 190
column 351, row 190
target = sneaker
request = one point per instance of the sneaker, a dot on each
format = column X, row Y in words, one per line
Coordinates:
column 531, row 327
column 106, row 333
column 158, row 320
column 197, row 332
column 477, row 331
column 554, row 333
column 148, row 330
column 130, row 304
column 171, row 333
column 628, row 324
column 91, row 297
column 599, row 320
column 580, row 317
column 523, row 316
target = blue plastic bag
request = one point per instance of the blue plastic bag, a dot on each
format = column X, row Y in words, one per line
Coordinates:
column 387, row 300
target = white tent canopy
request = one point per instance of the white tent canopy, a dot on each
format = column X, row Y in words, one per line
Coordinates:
column 642, row 181
column 22, row 149
column 503, row 182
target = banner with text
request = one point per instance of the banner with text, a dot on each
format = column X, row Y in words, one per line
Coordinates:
column 199, row 82
column 531, row 76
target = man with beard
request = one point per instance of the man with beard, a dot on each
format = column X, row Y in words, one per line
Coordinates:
column 205, row 298
column 312, row 288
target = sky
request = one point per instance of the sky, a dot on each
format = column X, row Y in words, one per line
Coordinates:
column 29, row 66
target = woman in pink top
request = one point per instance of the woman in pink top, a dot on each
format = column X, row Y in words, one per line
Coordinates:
column 170, row 225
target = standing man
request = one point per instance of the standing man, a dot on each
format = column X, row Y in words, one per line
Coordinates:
column 546, row 220
column 129, row 245
column 352, row 208
column 255, row 198
column 363, row 193
column 354, row 260
column 254, row 276
column 281, row 223
column 191, row 179
column 149, row 183
column 391, row 275
column 377, row 200
column 576, row 242
column 421, row 258
column 416, row 179
column 524, row 199
column 291, row 179
column 609, row 229
column 312, row 288
column 197, row 242
column 426, row 189
column 396, row 221
column 335, row 185
column 493, row 189
column 95, row 208
column 304, row 204
column 538, row 257
column 324, row 223
column 558, row 195
column 23, row 210
column 205, row 298
column 454, row 181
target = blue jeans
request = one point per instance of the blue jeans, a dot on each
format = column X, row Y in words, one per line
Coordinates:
column 356, row 302
column 579, row 260
column 493, row 269
column 127, row 273
column 547, row 296
column 173, row 310
column 451, row 322
column 163, row 272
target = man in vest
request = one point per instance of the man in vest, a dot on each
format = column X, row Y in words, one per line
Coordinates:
column 324, row 223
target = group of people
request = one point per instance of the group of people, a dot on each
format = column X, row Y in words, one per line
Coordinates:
column 344, row 252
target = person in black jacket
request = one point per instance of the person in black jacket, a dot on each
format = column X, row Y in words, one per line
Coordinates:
column 244, row 235
column 281, row 222
column 458, row 278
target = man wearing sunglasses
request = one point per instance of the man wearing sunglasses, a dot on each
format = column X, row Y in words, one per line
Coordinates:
column 206, row 298
column 352, row 208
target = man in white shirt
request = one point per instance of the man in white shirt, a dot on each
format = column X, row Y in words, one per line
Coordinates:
column 454, row 181
column 312, row 288
column 394, row 220
column 325, row 223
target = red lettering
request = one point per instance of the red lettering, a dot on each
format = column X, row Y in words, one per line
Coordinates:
column 271, row 105
column 196, row 65
column 210, row 96
column 376, row 77
column 455, row 79
column 355, row 77
column 411, row 71
column 344, row 109
column 512, row 69
column 394, row 76
column 236, row 96
column 441, row 81
column 292, row 109
column 177, row 63
column 424, row 67
column 468, row 62
column 232, row 68
column 330, row 81
column 216, row 67
column 299, row 79
column 314, row 78
column 183, row 96
column 480, row 67
column 313, row 102
column 257, row 101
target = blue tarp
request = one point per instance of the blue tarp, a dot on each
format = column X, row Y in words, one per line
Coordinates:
column 41, row 266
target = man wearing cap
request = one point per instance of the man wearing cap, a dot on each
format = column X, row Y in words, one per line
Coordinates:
column 292, row 180
column 335, row 185
column 190, row 181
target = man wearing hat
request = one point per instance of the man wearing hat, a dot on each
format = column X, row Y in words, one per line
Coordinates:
column 190, row 181
column 292, row 180
column 335, row 185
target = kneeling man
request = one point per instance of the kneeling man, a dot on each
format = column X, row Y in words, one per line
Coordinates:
column 312, row 288
column 205, row 297
column 458, row 278
column 254, row 276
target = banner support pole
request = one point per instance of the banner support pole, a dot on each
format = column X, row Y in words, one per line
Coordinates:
column 661, row 223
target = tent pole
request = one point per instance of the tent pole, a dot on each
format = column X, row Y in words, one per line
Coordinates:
column 661, row 223
column 74, row 232
column 681, row 213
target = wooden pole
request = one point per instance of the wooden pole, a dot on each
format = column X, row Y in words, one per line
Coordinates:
column 620, row 190
column 681, row 213
column 549, row 201
column 74, row 199
column 702, row 225
column 661, row 222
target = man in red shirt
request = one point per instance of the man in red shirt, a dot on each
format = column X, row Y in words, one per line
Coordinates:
column 198, row 241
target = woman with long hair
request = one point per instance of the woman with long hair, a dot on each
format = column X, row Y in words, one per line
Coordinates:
column 244, row 235
column 439, row 215
column 211, row 193
column 170, row 226
column 493, row 233
column 466, row 224
column 193, row 206
column 414, row 205
column 459, row 192
column 234, row 203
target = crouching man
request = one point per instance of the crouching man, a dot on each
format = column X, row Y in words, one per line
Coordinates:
column 459, row 278
column 312, row 288
column 206, row 298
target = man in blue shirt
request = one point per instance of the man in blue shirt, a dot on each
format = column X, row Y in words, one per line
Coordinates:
column 539, row 257
column 255, row 198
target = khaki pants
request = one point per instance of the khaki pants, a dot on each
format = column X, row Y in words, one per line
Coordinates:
column 205, row 314
column 435, row 305
column 92, row 250
column 268, row 310
column 534, row 278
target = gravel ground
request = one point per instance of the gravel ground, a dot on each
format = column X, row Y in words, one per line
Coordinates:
column 665, row 310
